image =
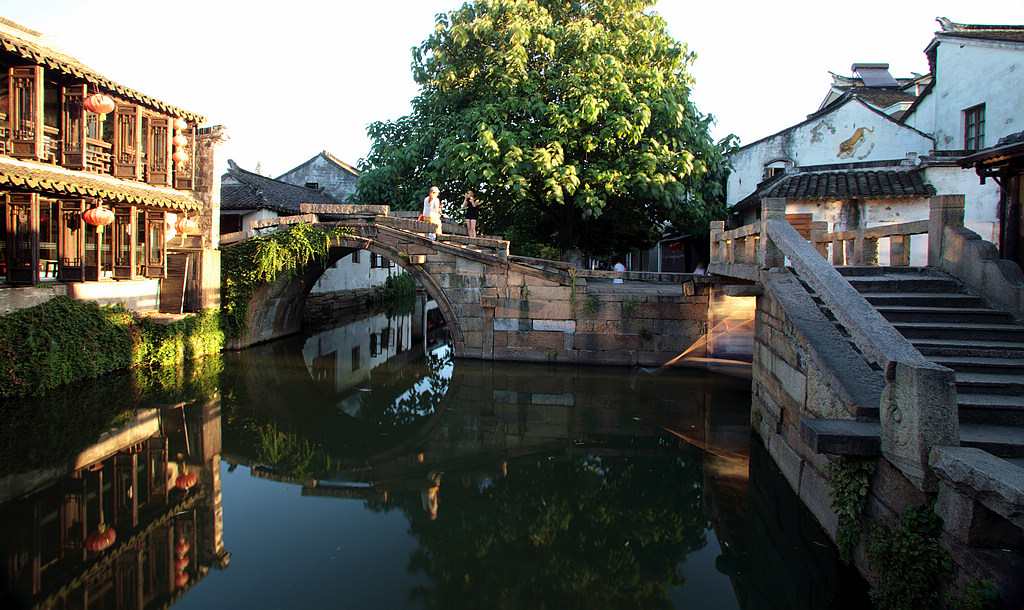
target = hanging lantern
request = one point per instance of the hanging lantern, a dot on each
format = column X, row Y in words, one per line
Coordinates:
column 186, row 480
column 179, row 124
column 180, row 564
column 186, row 225
column 181, row 579
column 101, row 539
column 181, row 548
column 179, row 156
column 99, row 104
column 98, row 216
column 675, row 246
column 179, row 140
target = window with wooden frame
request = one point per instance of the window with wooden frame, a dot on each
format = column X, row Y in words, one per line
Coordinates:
column 71, row 241
column 73, row 127
column 127, row 141
column 25, row 99
column 153, row 251
column 22, row 233
column 157, row 150
column 121, row 242
column 974, row 128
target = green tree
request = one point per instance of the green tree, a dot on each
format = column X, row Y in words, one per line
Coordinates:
column 571, row 119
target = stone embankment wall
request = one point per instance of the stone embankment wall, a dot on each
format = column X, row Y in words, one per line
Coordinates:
column 803, row 367
column 325, row 307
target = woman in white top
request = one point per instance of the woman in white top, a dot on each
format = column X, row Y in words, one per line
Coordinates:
column 432, row 209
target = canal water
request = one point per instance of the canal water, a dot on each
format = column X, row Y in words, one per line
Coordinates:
column 362, row 466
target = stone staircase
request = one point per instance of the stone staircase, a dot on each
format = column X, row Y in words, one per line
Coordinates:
column 959, row 330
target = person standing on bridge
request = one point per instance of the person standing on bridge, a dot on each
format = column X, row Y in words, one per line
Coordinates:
column 472, row 211
column 432, row 209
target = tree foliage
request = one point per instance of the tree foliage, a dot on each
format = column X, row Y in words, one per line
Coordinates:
column 572, row 120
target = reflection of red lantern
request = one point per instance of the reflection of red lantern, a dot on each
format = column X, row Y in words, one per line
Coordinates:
column 181, row 548
column 675, row 246
column 181, row 580
column 180, row 564
column 186, row 225
column 101, row 539
column 186, row 481
column 98, row 216
column 99, row 104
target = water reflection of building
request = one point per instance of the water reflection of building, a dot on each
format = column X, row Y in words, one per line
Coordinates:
column 134, row 523
column 345, row 356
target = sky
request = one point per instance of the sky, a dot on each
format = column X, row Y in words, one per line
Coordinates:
column 290, row 79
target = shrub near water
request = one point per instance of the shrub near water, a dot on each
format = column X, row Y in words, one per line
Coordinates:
column 63, row 341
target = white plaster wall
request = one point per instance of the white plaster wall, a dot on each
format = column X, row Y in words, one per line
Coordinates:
column 261, row 214
column 335, row 181
column 969, row 73
column 820, row 142
column 349, row 275
column 342, row 340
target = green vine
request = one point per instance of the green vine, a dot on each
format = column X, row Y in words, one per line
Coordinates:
column 260, row 260
column 848, row 488
column 572, row 290
column 908, row 560
column 978, row 595
column 396, row 297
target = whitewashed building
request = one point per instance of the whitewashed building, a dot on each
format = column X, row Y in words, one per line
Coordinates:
column 327, row 173
column 878, row 147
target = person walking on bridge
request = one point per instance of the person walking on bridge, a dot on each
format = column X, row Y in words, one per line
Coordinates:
column 432, row 209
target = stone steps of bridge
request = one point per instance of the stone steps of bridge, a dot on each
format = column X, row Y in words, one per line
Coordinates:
column 955, row 328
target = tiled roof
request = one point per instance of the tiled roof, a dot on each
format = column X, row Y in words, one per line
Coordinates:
column 243, row 190
column 880, row 183
column 1011, row 33
column 62, row 182
column 31, row 45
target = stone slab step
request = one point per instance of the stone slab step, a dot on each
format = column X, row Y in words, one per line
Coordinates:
column 943, row 314
column 877, row 270
column 1008, row 333
column 1001, row 441
column 968, row 348
column 979, row 364
column 867, row 285
column 934, row 299
column 999, row 409
column 990, row 383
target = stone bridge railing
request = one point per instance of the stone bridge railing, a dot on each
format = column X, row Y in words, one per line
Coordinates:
column 917, row 403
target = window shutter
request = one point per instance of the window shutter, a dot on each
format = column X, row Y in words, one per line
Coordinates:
column 184, row 173
column 154, row 251
column 802, row 224
column 71, row 241
column 159, row 157
column 124, row 252
column 25, row 88
column 22, row 239
column 73, row 127
column 127, row 141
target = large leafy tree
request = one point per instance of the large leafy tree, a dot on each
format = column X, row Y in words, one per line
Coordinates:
column 572, row 119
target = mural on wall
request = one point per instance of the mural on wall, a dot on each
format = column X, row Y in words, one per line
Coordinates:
column 849, row 146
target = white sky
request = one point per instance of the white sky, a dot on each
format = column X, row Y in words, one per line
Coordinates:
column 291, row 78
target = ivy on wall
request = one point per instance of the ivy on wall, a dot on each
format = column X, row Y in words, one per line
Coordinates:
column 848, row 489
column 260, row 260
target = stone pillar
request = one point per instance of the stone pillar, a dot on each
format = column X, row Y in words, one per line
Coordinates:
column 818, row 230
column 717, row 228
column 899, row 253
column 918, row 412
column 772, row 208
column 207, row 185
column 943, row 211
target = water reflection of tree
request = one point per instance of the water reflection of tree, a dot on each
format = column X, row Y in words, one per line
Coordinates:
column 311, row 439
column 604, row 532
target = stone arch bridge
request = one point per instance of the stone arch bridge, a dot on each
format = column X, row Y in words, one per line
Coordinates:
column 499, row 307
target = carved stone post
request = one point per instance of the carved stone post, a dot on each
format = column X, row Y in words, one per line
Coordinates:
column 899, row 253
column 717, row 228
column 918, row 412
column 943, row 211
column 772, row 208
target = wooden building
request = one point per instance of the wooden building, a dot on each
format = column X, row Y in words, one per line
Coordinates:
column 78, row 150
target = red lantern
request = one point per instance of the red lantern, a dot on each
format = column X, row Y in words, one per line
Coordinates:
column 181, row 580
column 98, row 216
column 179, row 140
column 186, row 225
column 180, row 564
column 179, row 156
column 179, row 123
column 99, row 104
column 181, row 548
column 101, row 539
column 186, row 481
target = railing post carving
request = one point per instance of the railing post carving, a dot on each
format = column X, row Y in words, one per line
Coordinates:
column 943, row 211
column 772, row 208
